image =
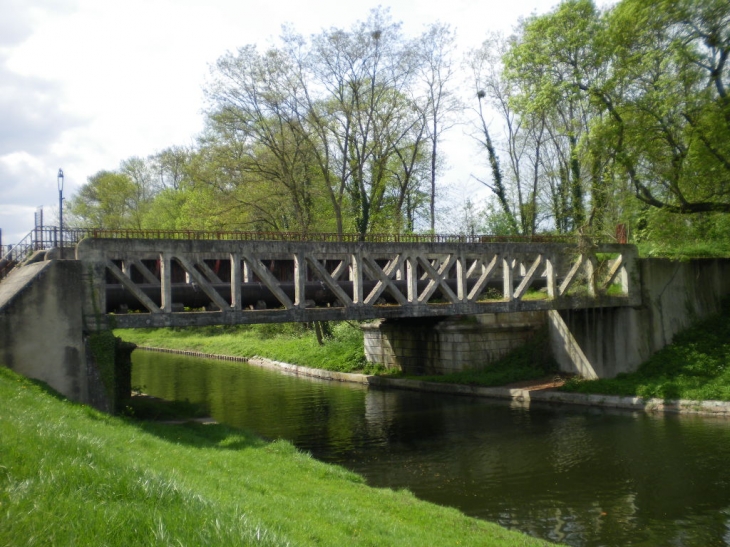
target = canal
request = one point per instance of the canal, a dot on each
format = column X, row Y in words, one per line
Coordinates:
column 580, row 476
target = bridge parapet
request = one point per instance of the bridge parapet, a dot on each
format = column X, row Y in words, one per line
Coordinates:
column 136, row 283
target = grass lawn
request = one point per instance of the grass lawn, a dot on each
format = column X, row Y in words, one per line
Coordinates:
column 70, row 475
column 290, row 342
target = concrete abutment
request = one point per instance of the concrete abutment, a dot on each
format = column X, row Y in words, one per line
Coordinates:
column 43, row 336
column 447, row 345
column 604, row 342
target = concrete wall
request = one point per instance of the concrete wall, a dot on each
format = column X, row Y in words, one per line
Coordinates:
column 442, row 346
column 41, row 328
column 604, row 342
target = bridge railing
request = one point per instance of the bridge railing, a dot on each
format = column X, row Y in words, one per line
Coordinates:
column 179, row 282
column 39, row 239
column 325, row 236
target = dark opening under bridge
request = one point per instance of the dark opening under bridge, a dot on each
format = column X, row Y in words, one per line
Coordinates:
column 170, row 282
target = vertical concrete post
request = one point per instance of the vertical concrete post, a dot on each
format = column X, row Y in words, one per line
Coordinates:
column 550, row 276
column 356, row 278
column 591, row 272
column 412, row 279
column 300, row 279
column 507, row 278
column 166, row 282
column 462, row 289
column 236, row 281
column 630, row 275
column 400, row 272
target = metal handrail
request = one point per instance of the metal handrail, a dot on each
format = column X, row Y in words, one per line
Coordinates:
column 48, row 237
column 326, row 236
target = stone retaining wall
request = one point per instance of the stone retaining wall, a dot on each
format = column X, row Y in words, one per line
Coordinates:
column 443, row 346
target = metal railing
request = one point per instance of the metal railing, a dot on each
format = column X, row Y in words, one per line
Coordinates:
column 48, row 237
column 325, row 236
column 38, row 239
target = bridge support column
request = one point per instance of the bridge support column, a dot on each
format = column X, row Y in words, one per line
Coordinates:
column 445, row 345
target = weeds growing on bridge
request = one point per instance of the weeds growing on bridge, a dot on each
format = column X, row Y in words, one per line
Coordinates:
column 695, row 366
column 71, row 476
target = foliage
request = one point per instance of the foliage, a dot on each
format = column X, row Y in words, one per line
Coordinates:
column 103, row 347
column 74, row 476
column 695, row 366
column 639, row 69
column 112, row 357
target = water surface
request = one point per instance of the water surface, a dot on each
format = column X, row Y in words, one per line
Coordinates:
column 580, row 476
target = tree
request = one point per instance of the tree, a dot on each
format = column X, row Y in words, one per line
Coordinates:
column 333, row 119
column 648, row 84
column 170, row 166
column 107, row 200
column 254, row 110
column 670, row 82
column 436, row 72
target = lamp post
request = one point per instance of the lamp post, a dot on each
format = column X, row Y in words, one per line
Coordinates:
column 60, row 209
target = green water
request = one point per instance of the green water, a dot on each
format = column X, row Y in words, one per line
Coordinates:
column 584, row 477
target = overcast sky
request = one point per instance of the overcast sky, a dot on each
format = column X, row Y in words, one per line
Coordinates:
column 85, row 84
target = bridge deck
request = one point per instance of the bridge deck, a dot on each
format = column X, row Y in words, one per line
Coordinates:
column 161, row 283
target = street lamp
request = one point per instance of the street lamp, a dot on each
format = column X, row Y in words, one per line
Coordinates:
column 60, row 208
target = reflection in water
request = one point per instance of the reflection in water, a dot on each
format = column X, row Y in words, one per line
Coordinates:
column 584, row 477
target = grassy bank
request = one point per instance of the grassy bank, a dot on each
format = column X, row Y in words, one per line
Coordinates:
column 695, row 366
column 72, row 476
column 292, row 342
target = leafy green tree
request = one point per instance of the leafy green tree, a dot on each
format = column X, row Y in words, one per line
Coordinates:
column 644, row 86
column 107, row 200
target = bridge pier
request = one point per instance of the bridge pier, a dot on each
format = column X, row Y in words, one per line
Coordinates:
column 445, row 345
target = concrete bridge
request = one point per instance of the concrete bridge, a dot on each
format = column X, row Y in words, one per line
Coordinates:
column 162, row 283
column 606, row 310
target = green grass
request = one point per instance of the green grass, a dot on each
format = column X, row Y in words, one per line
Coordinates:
column 695, row 366
column 684, row 250
column 71, row 476
column 342, row 351
column 528, row 362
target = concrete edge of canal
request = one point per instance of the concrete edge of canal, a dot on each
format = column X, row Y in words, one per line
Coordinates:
column 525, row 396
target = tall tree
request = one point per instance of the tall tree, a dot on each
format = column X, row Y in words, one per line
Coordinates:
column 436, row 72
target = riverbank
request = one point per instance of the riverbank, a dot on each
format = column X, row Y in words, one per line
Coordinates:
column 539, row 390
column 73, row 476
column 691, row 375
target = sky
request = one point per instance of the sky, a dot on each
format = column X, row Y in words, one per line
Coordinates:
column 85, row 84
